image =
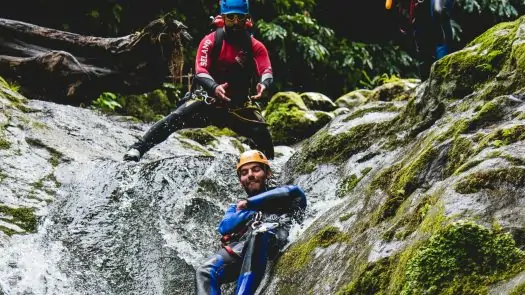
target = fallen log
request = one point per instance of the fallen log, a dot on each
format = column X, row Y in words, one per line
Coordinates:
column 74, row 69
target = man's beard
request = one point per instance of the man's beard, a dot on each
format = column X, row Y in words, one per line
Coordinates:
column 253, row 188
column 234, row 32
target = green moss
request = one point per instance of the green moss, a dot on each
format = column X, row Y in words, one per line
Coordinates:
column 482, row 59
column 404, row 182
column 519, row 116
column 2, row 176
column 462, row 258
column 55, row 155
column 467, row 166
column 409, row 222
column 199, row 135
column 300, row 253
column 4, row 144
column 289, row 119
column 433, row 222
column 491, row 179
column 23, row 217
column 513, row 160
column 373, row 279
column 518, row 290
column 238, row 145
column 348, row 183
column 458, row 127
column 458, row 154
column 327, row 148
column 387, row 107
column 216, row 131
column 392, row 91
column 196, row 148
column 345, row 217
column 39, row 185
column 504, row 136
column 383, row 180
column 492, row 111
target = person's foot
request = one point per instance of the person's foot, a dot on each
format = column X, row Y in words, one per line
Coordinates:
column 132, row 155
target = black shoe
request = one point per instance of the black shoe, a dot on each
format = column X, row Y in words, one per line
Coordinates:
column 132, row 155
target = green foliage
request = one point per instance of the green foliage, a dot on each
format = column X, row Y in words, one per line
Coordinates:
column 503, row 9
column 12, row 86
column 107, row 101
column 308, row 53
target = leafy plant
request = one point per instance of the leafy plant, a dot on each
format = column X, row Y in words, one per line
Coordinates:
column 107, row 101
column 14, row 87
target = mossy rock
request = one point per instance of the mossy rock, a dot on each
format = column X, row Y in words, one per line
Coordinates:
column 148, row 107
column 394, row 91
column 24, row 218
column 325, row 147
column 290, row 121
column 318, row 101
column 300, row 254
column 354, row 98
column 200, row 135
column 340, row 111
column 492, row 63
column 491, row 179
column 462, row 258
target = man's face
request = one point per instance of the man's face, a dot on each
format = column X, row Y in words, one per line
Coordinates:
column 253, row 178
column 235, row 21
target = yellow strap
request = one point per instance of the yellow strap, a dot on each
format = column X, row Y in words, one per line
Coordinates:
column 247, row 106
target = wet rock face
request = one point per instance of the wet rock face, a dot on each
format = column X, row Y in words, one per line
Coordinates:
column 76, row 219
column 401, row 191
column 452, row 152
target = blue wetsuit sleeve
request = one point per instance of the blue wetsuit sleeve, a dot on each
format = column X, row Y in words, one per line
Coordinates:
column 286, row 198
column 233, row 220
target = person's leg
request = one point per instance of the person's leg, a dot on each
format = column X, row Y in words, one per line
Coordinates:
column 250, row 123
column 220, row 268
column 190, row 114
column 424, row 37
column 255, row 258
column 441, row 11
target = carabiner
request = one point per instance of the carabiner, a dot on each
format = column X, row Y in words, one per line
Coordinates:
column 209, row 100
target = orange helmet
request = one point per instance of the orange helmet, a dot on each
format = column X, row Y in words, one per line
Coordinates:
column 252, row 156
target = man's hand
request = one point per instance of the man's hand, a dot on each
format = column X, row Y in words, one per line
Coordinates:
column 220, row 92
column 241, row 205
column 260, row 90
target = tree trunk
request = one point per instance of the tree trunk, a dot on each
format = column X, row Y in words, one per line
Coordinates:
column 69, row 68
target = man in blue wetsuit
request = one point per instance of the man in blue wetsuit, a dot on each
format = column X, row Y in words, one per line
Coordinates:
column 253, row 230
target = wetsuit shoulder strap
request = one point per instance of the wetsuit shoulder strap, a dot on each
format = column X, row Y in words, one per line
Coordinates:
column 219, row 38
column 217, row 45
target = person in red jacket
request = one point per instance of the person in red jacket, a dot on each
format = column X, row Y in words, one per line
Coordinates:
column 225, row 63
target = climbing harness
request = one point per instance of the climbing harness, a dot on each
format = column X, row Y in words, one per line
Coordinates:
column 249, row 105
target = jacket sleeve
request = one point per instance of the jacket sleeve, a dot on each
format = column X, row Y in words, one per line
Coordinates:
column 287, row 198
column 263, row 65
column 233, row 220
column 203, row 64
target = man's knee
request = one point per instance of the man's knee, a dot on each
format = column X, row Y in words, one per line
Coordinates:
column 203, row 271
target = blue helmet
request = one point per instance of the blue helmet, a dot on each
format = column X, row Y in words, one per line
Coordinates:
column 234, row 6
